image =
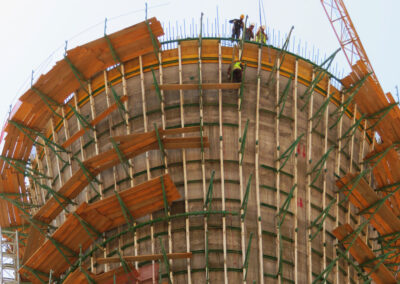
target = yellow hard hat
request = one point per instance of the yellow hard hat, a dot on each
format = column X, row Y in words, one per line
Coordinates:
column 242, row 16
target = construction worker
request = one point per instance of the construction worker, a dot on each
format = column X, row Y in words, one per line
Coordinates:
column 249, row 35
column 236, row 71
column 261, row 36
column 237, row 26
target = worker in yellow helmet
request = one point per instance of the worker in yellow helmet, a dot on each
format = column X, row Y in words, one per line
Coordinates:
column 235, row 72
column 237, row 26
column 261, row 36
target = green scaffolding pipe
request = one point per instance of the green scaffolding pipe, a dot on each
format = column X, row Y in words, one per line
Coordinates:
column 78, row 75
column 22, row 167
column 355, row 265
column 288, row 152
column 156, row 86
column 246, row 259
column 165, row 258
column 123, row 160
column 351, row 131
column 281, row 56
column 318, row 167
column 166, row 208
column 160, row 145
column 246, row 198
column 47, row 101
column 354, row 90
column 283, row 96
column 320, row 75
column 242, row 141
column 123, row 262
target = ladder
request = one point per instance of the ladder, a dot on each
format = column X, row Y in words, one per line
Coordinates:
column 9, row 260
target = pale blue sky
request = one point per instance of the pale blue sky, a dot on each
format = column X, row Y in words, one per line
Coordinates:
column 31, row 31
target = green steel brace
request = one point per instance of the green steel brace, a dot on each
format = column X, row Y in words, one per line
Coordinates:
column 156, row 86
column 88, row 175
column 318, row 167
column 161, row 144
column 320, row 112
column 29, row 133
column 351, row 131
column 246, row 259
column 281, row 218
column 284, row 95
column 322, row 216
column 114, row 53
column 47, row 100
column 281, row 55
column 380, row 115
column 355, row 265
column 285, row 206
column 78, row 75
column 288, row 152
column 22, row 167
column 55, row 194
column 82, row 120
column 355, row 233
column 241, row 92
column 320, row 75
column 166, row 208
column 121, row 108
column 36, row 273
column 125, row 211
column 353, row 90
column 59, row 246
column 165, row 258
column 87, row 276
column 153, row 38
column 246, row 198
column 123, row 262
column 242, row 141
column 209, row 196
column 123, row 160
column 17, row 203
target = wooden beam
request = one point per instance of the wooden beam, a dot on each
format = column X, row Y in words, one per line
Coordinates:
column 204, row 86
column 147, row 257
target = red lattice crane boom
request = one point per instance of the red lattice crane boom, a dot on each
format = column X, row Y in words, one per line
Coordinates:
column 347, row 35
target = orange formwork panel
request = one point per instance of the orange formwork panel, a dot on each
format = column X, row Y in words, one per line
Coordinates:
column 364, row 198
column 131, row 146
column 363, row 254
column 102, row 215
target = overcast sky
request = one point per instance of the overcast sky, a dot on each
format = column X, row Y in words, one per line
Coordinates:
column 33, row 33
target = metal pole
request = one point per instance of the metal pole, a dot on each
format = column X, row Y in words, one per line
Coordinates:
column 17, row 256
